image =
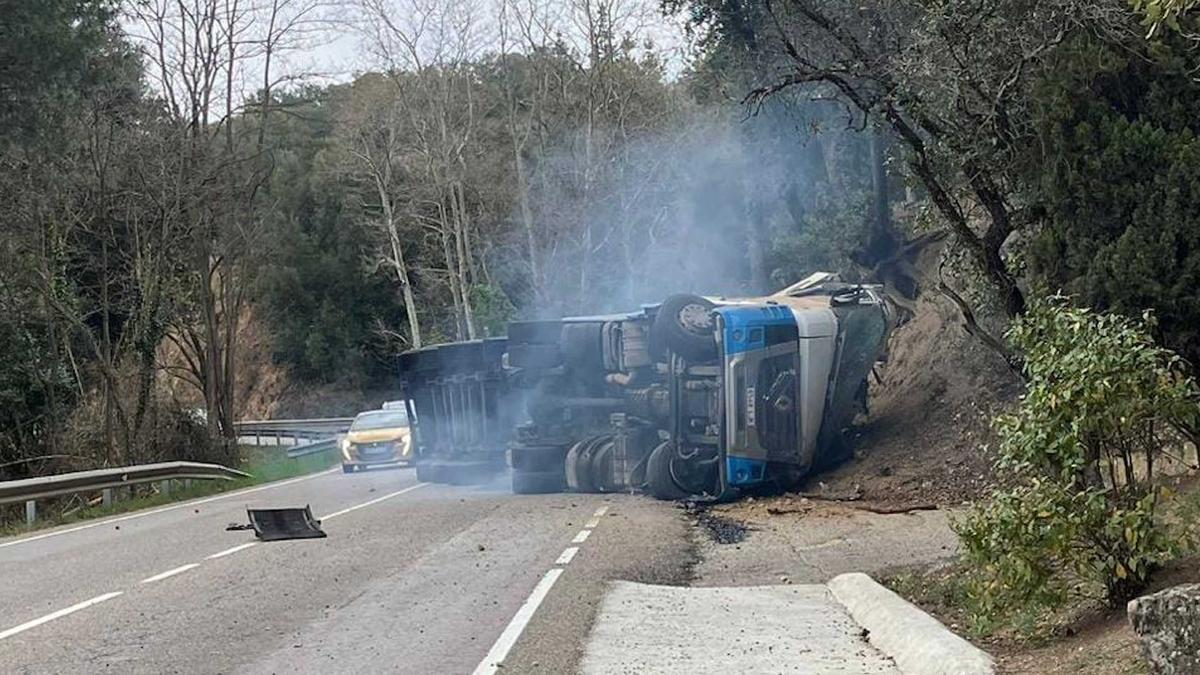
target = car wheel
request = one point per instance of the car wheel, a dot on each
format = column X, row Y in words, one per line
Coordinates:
column 538, row 482
column 685, row 325
column 347, row 468
column 658, row 474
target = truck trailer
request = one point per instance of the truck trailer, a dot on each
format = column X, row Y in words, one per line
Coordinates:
column 694, row 397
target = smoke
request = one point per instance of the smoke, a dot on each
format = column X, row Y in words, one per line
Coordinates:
column 714, row 204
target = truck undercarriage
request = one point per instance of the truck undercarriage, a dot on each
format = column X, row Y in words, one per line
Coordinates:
column 691, row 398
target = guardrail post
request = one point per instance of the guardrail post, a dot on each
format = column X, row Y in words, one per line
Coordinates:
column 106, row 497
column 187, row 483
column 30, row 512
column 165, row 487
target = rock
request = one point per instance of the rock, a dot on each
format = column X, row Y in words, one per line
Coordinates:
column 1168, row 625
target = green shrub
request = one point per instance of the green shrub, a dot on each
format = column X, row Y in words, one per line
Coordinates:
column 1080, row 452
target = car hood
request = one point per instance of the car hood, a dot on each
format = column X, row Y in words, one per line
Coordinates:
column 377, row 435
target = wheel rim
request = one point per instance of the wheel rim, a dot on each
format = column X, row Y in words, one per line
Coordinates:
column 695, row 318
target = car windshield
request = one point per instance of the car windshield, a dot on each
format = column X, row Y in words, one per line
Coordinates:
column 383, row 419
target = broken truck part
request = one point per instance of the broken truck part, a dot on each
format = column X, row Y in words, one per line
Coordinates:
column 281, row 524
column 693, row 397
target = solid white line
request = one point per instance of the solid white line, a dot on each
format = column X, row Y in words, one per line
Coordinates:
column 170, row 573
column 496, row 655
column 58, row 615
column 363, row 505
column 139, row 514
column 601, row 511
column 594, row 522
column 581, row 537
column 567, row 556
column 230, row 551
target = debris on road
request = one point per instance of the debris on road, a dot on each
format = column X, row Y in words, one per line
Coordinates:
column 281, row 524
column 722, row 530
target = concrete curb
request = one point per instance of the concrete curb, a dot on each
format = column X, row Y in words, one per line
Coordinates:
column 917, row 642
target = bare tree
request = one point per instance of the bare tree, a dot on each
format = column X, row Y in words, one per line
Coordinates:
column 204, row 56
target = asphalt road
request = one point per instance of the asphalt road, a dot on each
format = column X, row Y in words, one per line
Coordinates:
column 413, row 578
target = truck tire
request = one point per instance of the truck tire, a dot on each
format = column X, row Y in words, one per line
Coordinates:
column 534, row 332
column 537, row 458
column 534, row 356
column 684, row 325
column 579, row 464
column 538, row 482
column 658, row 474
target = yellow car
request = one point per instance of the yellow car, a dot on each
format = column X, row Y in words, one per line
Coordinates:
column 377, row 437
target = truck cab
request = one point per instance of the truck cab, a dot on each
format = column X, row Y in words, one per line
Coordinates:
column 699, row 397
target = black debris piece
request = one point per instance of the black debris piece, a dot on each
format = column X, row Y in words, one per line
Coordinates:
column 280, row 524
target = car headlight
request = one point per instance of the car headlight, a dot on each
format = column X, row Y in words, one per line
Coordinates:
column 346, row 449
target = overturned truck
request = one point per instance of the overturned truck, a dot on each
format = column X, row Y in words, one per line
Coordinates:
column 696, row 397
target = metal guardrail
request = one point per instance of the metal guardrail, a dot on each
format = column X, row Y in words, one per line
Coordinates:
column 296, row 427
column 313, row 448
column 29, row 490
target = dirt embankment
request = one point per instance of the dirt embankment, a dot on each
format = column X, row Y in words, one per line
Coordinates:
column 927, row 438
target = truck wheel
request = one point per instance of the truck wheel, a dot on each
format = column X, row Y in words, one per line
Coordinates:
column 537, row 458
column 579, row 464
column 684, row 324
column 534, row 332
column 534, row 356
column 602, row 467
column 537, row 482
column 658, row 474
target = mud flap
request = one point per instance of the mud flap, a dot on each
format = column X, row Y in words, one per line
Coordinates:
column 281, row 524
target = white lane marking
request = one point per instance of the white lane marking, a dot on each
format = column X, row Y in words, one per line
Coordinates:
column 601, row 511
column 170, row 573
column 499, row 651
column 363, row 505
column 567, row 556
column 581, row 537
column 140, row 514
column 231, row 551
column 58, row 615
column 594, row 522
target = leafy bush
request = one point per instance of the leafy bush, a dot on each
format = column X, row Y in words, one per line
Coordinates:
column 1081, row 449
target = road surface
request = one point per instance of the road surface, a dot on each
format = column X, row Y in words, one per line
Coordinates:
column 413, row 578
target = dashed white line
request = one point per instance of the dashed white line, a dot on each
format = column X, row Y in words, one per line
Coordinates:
column 170, row 573
column 581, row 537
column 601, row 511
column 499, row 651
column 594, row 522
column 231, row 551
column 58, row 615
column 140, row 514
column 567, row 556
column 363, row 505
